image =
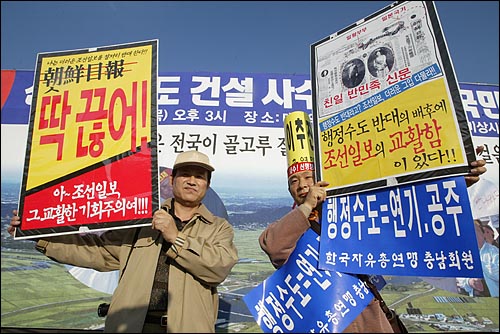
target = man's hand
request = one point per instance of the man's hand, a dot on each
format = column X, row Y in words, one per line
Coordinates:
column 476, row 284
column 316, row 194
column 15, row 221
column 164, row 222
column 478, row 168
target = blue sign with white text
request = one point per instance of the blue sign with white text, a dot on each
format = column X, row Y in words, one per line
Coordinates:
column 299, row 298
column 422, row 229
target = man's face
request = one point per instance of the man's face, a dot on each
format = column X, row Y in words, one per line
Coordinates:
column 190, row 185
column 299, row 184
column 489, row 236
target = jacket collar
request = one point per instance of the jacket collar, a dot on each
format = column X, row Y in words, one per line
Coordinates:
column 201, row 212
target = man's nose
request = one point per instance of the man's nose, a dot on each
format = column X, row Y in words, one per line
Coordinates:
column 303, row 184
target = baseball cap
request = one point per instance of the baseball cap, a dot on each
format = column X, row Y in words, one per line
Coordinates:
column 193, row 158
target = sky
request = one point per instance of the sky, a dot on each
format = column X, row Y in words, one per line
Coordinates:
column 231, row 36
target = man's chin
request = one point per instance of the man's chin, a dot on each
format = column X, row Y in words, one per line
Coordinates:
column 300, row 200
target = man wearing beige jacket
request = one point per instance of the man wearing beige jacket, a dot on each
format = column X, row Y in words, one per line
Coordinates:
column 169, row 272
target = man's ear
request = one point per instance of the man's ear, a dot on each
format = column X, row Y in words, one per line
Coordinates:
column 171, row 180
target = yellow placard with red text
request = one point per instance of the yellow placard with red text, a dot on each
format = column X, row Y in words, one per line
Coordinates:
column 90, row 107
column 396, row 137
column 91, row 160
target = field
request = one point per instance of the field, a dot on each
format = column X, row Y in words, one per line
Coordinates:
column 39, row 293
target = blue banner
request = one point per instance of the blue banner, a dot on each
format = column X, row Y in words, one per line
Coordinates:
column 234, row 99
column 423, row 229
column 261, row 100
column 481, row 105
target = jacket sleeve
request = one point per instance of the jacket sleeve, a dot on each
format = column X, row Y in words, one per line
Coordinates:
column 88, row 251
column 209, row 258
column 279, row 239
